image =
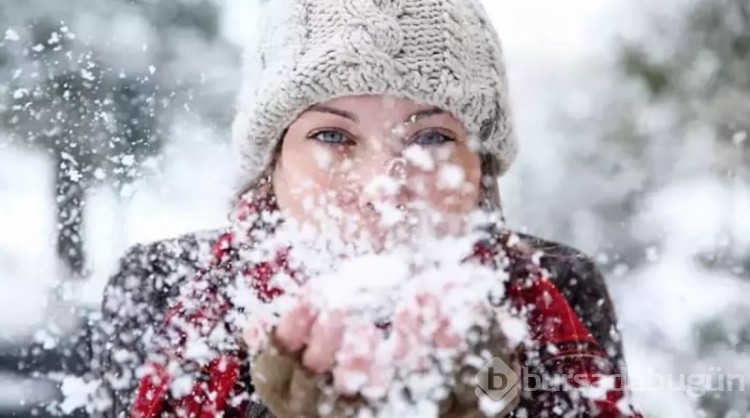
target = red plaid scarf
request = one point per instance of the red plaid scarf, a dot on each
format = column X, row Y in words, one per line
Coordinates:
column 559, row 344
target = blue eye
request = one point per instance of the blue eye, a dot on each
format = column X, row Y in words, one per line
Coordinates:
column 432, row 137
column 330, row 137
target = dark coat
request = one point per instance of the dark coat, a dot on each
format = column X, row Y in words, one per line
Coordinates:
column 150, row 276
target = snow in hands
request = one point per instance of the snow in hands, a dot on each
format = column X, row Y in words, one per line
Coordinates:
column 401, row 323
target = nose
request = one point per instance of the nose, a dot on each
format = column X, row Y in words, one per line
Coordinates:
column 398, row 170
column 389, row 185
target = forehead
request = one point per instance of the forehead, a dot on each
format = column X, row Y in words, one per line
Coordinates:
column 363, row 108
column 376, row 102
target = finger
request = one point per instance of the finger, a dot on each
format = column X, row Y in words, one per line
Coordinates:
column 348, row 379
column 294, row 328
column 326, row 336
column 445, row 336
column 428, row 303
column 355, row 358
column 414, row 334
column 406, row 325
column 379, row 377
column 436, row 324
column 255, row 334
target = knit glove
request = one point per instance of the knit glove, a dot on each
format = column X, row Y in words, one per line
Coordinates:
column 464, row 399
column 289, row 390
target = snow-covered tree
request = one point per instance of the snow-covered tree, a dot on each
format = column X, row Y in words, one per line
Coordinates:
column 99, row 85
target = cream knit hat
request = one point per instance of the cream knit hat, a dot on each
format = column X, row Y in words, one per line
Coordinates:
column 440, row 52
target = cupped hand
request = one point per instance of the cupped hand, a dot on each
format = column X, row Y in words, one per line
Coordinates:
column 343, row 361
column 316, row 335
column 360, row 355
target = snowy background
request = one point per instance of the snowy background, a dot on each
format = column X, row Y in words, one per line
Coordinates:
column 632, row 117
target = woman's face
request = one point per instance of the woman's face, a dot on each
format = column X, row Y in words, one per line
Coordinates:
column 377, row 169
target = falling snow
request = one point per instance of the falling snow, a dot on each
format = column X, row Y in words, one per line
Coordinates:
column 451, row 176
column 11, row 35
column 133, row 140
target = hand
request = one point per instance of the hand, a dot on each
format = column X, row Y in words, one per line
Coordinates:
column 328, row 342
column 356, row 352
column 331, row 360
column 301, row 328
column 291, row 371
column 316, row 335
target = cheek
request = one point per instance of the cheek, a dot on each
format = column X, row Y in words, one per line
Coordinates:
column 312, row 180
column 453, row 186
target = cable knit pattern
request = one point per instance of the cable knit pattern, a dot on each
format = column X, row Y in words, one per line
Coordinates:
column 440, row 52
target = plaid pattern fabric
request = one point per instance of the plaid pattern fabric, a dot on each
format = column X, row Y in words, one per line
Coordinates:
column 568, row 309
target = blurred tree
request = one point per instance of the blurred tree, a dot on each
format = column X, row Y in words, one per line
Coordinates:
column 697, row 71
column 103, row 102
column 678, row 109
column 94, row 127
column 703, row 74
column 101, row 86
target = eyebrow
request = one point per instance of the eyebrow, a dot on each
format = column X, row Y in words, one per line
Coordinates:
column 425, row 113
column 332, row 110
column 414, row 117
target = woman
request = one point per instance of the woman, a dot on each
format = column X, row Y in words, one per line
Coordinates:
column 367, row 123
